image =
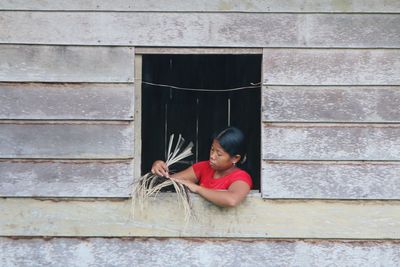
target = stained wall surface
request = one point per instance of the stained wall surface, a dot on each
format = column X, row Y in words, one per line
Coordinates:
column 330, row 132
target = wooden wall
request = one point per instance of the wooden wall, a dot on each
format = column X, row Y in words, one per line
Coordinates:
column 232, row 253
column 330, row 129
column 334, row 115
column 66, row 120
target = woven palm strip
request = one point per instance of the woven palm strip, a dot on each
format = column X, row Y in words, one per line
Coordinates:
column 149, row 185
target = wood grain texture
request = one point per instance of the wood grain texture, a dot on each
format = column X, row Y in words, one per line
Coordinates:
column 330, row 142
column 22, row 63
column 344, row 6
column 201, row 29
column 331, row 180
column 197, row 51
column 46, row 101
column 68, row 178
column 331, row 104
column 79, row 140
column 196, row 252
column 331, row 67
column 164, row 217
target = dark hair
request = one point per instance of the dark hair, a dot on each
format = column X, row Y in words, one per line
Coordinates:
column 232, row 140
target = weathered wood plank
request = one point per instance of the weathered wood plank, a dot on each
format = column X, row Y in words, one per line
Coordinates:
column 79, row 140
column 66, row 101
column 331, row 180
column 331, row 67
column 164, row 217
column 331, row 104
column 198, row 50
column 196, row 252
column 201, row 29
column 68, row 178
column 65, row 63
column 331, row 142
column 344, row 6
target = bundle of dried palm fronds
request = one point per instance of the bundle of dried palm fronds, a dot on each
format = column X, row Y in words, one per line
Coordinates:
column 151, row 184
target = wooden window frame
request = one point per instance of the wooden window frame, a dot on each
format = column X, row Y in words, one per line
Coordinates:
column 139, row 52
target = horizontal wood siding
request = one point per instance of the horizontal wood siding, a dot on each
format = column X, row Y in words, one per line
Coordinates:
column 343, row 6
column 331, row 142
column 29, row 63
column 330, row 132
column 66, row 178
column 55, row 101
column 331, row 104
column 331, row 123
column 331, row 180
column 90, row 89
column 79, row 140
column 164, row 217
column 202, row 252
column 201, row 29
column 331, row 66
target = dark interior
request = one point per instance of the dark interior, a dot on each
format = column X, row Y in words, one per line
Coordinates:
column 197, row 115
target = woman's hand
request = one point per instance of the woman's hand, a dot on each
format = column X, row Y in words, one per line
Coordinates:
column 160, row 168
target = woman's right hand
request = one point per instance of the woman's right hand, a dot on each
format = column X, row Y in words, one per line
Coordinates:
column 160, row 168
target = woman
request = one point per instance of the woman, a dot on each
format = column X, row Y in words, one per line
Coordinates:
column 220, row 172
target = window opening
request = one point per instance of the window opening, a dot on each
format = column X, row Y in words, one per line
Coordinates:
column 199, row 114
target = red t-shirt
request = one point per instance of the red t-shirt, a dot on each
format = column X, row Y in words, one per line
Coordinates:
column 204, row 173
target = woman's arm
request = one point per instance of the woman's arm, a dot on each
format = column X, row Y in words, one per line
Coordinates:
column 186, row 175
column 229, row 198
column 160, row 168
column 235, row 194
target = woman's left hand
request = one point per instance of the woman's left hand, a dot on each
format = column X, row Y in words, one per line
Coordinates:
column 191, row 185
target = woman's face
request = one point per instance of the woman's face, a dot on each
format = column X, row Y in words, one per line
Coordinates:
column 220, row 159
